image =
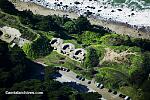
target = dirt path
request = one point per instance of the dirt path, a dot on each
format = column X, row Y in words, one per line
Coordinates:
column 117, row 28
column 112, row 56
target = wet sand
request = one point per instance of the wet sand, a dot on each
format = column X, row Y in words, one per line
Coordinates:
column 115, row 27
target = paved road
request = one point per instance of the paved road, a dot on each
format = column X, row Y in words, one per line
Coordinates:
column 72, row 77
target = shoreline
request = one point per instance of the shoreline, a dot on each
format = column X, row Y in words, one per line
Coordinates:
column 116, row 27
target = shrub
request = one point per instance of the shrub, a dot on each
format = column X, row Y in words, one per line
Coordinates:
column 92, row 59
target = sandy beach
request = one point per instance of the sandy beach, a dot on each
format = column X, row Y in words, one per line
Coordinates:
column 115, row 27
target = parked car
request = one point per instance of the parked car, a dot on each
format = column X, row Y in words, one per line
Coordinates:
column 77, row 76
column 109, row 90
column 83, row 79
column 97, row 84
column 80, row 78
column 127, row 98
column 115, row 92
column 61, row 68
column 89, row 82
column 64, row 69
column 123, row 96
column 101, row 86
column 120, row 95
column 68, row 70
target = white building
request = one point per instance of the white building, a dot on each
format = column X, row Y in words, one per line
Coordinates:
column 12, row 35
column 67, row 48
column 56, row 43
column 9, row 34
column 78, row 54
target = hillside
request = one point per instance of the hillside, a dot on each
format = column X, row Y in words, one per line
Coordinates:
column 118, row 61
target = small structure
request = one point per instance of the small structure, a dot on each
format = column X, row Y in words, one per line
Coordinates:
column 20, row 41
column 78, row 54
column 8, row 34
column 127, row 98
column 56, row 43
column 67, row 48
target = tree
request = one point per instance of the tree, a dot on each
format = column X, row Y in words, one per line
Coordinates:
column 115, row 40
column 8, row 7
column 12, row 66
column 138, row 77
column 82, row 24
column 92, row 58
column 70, row 26
column 39, row 47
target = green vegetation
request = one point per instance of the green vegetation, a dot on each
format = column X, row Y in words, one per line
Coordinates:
column 39, row 47
column 70, row 26
column 115, row 40
column 92, row 58
column 118, row 61
column 21, row 74
column 88, row 96
column 88, row 38
column 9, row 20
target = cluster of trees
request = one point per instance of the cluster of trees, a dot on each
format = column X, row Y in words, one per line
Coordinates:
column 92, row 58
column 61, row 25
column 87, row 34
column 54, row 23
column 11, row 65
column 39, row 22
column 89, row 38
column 15, row 69
column 39, row 47
column 118, row 40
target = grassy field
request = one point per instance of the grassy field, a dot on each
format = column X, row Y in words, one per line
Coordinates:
column 56, row 59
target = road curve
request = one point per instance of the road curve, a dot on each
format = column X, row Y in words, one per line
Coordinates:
column 104, row 92
column 72, row 77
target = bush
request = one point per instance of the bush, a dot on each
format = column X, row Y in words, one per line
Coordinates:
column 70, row 26
column 115, row 40
column 89, row 38
column 39, row 47
column 92, row 59
column 82, row 24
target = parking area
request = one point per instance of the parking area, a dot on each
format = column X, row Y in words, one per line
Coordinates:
column 92, row 86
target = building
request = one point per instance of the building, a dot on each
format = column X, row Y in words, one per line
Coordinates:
column 78, row 54
column 56, row 43
column 20, row 41
column 67, row 48
column 12, row 36
column 8, row 34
